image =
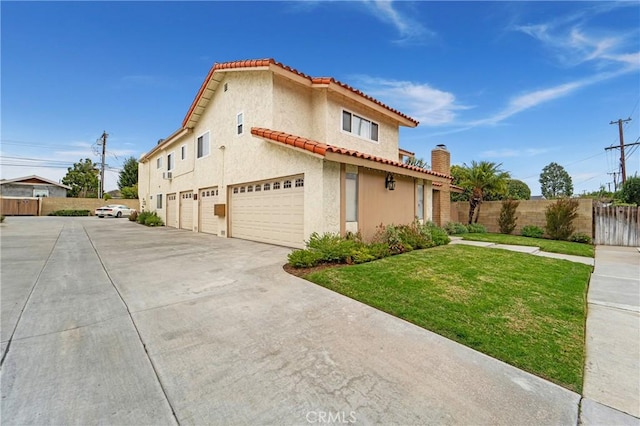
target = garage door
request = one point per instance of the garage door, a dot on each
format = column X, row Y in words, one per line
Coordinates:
column 186, row 210
column 172, row 210
column 269, row 211
column 208, row 222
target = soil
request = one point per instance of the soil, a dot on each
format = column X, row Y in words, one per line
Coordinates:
column 302, row 272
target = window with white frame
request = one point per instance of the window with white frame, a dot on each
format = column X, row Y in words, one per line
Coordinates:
column 420, row 203
column 159, row 201
column 40, row 192
column 360, row 126
column 239, row 123
column 203, row 145
column 159, row 163
column 351, row 197
column 183, row 152
column 170, row 162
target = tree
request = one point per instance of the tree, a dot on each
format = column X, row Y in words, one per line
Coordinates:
column 555, row 182
column 630, row 192
column 480, row 178
column 507, row 220
column 83, row 179
column 417, row 162
column 130, row 191
column 518, row 190
column 129, row 174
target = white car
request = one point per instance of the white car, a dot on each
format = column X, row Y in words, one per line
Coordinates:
column 114, row 210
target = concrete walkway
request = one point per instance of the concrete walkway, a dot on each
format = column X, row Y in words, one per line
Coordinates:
column 611, row 392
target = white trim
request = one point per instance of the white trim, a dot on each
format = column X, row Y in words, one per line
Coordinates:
column 209, row 143
column 172, row 154
column 351, row 133
column 159, row 163
column 240, row 114
column 183, row 152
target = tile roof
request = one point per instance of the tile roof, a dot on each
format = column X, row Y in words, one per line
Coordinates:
column 322, row 148
column 258, row 63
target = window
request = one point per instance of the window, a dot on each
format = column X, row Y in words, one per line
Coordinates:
column 299, row 183
column 159, row 163
column 250, row 188
column 239, row 122
column 235, row 190
column 276, row 185
column 40, row 192
column 420, row 206
column 359, row 126
column 159, row 201
column 267, row 187
column 170, row 162
column 258, row 188
column 287, row 184
column 351, row 197
column 242, row 189
column 203, row 145
column 183, row 152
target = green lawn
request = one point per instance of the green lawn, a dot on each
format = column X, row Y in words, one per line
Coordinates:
column 551, row 246
column 528, row 311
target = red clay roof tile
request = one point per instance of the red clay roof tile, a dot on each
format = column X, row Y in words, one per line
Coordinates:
column 256, row 63
column 322, row 148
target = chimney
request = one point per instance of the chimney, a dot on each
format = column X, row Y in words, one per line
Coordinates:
column 441, row 160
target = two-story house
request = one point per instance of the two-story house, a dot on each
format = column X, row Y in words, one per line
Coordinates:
column 269, row 154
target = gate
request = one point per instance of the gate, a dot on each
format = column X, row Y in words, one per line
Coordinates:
column 20, row 206
column 617, row 226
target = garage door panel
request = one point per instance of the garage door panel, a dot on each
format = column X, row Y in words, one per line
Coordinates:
column 270, row 215
column 186, row 210
column 209, row 223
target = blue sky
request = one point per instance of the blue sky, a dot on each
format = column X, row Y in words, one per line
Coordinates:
column 518, row 83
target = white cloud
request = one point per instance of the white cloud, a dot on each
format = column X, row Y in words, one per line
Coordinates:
column 426, row 104
column 410, row 30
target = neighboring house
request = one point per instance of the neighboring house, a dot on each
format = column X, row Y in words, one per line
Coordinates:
column 269, row 154
column 32, row 186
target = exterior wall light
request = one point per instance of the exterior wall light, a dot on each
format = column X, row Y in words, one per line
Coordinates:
column 390, row 182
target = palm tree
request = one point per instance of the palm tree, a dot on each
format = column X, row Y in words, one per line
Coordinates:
column 480, row 178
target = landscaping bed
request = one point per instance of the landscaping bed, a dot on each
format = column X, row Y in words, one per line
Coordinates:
column 551, row 246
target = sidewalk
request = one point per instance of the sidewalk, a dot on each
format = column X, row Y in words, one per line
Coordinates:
column 611, row 392
column 612, row 370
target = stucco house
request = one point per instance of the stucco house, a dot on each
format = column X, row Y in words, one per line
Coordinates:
column 32, row 186
column 270, row 154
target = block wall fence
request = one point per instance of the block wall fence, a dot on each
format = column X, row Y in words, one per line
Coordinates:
column 529, row 212
column 52, row 204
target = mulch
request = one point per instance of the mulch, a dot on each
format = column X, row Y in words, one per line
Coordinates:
column 302, row 272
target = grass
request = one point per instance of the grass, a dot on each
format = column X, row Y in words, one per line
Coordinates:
column 528, row 311
column 551, row 246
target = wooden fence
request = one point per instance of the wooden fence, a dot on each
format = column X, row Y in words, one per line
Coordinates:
column 20, row 206
column 617, row 226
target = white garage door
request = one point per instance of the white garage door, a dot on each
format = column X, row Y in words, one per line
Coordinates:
column 269, row 211
column 186, row 210
column 208, row 222
column 172, row 210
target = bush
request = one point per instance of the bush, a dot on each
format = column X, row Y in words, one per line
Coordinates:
column 532, row 231
column 580, row 238
column 439, row 236
column 560, row 216
column 476, row 228
column 508, row 219
column 149, row 219
column 70, row 213
column 332, row 247
column 133, row 216
column 1, row 218
column 455, row 228
column 304, row 258
column 630, row 192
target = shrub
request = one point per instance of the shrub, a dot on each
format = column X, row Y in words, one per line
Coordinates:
column 361, row 255
column 439, row 236
column 153, row 220
column 379, row 250
column 1, row 218
column 142, row 216
column 390, row 235
column 332, row 247
column 580, row 238
column 455, row 228
column 532, row 231
column 70, row 213
column 133, row 216
column 107, row 197
column 304, row 258
column 630, row 192
column 560, row 216
column 508, row 219
column 476, row 228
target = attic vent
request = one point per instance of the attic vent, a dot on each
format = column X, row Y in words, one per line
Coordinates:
column 225, row 87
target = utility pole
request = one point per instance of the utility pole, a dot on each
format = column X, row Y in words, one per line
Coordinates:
column 104, row 151
column 615, row 182
column 622, row 160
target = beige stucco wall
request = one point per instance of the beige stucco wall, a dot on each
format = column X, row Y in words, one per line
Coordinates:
column 529, row 212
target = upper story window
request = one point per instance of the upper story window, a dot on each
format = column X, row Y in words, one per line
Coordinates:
column 159, row 163
column 359, row 126
column 183, row 152
column 170, row 161
column 203, row 145
column 239, row 123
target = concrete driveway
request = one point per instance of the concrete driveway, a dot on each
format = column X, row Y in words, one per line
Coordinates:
column 108, row 322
